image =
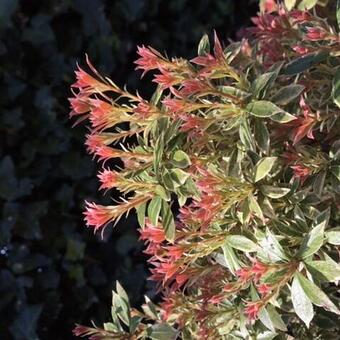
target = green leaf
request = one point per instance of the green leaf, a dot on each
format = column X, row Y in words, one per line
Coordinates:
column 303, row 63
column 149, row 308
column 154, row 209
column 180, row 159
column 328, row 270
column 302, row 305
column 287, row 93
column 263, row 83
column 120, row 307
column 276, row 319
column 307, row 4
column 179, row 176
column 161, row 192
column 316, row 295
column 162, row 331
column 290, row 4
column 262, row 108
column 141, row 209
column 282, row 117
column 262, row 135
column 158, row 153
column 336, row 83
column 272, row 319
column 233, row 91
column 168, row 222
column 230, row 257
column 271, row 248
column 204, row 45
column 241, row 242
column 263, row 167
column 312, row 242
column 274, row 192
column 121, row 292
column 254, row 206
column 333, row 236
column 246, row 136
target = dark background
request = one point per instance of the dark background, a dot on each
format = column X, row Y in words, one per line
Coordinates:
column 53, row 271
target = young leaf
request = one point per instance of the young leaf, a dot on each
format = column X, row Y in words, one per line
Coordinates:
column 263, row 167
column 316, row 295
column 168, row 222
column 287, row 93
column 154, row 209
column 262, row 108
column 302, row 305
column 241, row 242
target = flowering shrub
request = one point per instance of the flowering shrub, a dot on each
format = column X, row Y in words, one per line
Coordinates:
column 233, row 169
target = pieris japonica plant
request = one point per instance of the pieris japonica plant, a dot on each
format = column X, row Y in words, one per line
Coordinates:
column 234, row 176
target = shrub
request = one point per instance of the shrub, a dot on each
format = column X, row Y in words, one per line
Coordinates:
column 233, row 169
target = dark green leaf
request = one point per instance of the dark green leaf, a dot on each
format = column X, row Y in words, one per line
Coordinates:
column 303, row 63
column 287, row 93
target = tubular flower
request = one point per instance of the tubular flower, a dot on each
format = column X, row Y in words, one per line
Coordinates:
column 98, row 216
column 87, row 84
column 149, row 59
column 108, row 178
column 79, row 105
column 167, row 78
column 315, row 34
column 151, row 233
column 252, row 310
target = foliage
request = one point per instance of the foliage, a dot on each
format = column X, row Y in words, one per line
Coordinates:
column 53, row 272
column 244, row 141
